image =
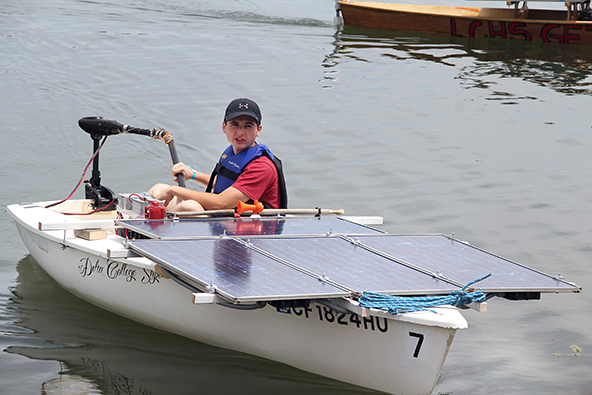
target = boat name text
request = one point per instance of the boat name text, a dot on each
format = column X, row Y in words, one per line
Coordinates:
column 112, row 270
column 549, row 32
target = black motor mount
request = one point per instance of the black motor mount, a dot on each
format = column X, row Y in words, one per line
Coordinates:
column 103, row 197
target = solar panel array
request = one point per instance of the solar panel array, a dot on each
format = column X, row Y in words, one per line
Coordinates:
column 247, row 260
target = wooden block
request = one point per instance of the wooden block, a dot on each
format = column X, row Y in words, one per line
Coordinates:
column 91, row 234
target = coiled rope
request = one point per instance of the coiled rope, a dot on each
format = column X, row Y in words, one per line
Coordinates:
column 399, row 304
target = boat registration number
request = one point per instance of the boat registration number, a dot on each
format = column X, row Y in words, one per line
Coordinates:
column 326, row 314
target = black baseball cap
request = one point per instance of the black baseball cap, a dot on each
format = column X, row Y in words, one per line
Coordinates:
column 242, row 106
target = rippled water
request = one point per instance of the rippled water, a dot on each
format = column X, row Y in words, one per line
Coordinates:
column 488, row 139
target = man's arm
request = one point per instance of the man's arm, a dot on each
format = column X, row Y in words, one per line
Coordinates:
column 209, row 201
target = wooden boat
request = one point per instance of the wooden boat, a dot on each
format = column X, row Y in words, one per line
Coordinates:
column 571, row 26
column 290, row 288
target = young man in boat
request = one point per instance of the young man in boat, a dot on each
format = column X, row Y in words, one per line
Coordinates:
column 246, row 172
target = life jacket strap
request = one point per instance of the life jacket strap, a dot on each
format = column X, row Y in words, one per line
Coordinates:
column 213, row 177
column 223, row 171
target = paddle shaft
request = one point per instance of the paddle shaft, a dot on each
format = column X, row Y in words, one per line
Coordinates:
column 175, row 158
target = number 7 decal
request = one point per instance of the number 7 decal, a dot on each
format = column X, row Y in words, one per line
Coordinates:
column 419, row 342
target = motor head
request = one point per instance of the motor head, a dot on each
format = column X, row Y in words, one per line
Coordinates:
column 98, row 126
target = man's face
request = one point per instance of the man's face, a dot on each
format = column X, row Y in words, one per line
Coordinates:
column 241, row 132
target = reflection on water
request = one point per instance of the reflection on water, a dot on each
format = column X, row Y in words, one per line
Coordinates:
column 570, row 77
column 70, row 384
column 562, row 68
column 102, row 353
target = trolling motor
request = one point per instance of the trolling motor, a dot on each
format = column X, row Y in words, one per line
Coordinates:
column 98, row 127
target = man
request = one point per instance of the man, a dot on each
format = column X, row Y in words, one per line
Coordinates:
column 246, row 172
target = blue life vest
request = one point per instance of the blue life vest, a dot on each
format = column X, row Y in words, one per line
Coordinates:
column 236, row 164
column 231, row 166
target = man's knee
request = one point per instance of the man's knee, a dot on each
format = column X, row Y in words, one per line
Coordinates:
column 189, row 205
column 157, row 189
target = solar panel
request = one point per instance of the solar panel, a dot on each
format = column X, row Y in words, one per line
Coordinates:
column 463, row 263
column 264, row 226
column 238, row 273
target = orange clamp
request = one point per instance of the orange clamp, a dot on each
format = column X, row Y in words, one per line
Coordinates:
column 256, row 208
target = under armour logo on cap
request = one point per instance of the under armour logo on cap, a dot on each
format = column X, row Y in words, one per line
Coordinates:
column 242, row 106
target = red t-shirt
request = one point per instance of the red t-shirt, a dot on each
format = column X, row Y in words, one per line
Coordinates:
column 259, row 181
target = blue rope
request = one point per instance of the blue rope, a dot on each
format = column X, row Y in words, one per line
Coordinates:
column 399, row 304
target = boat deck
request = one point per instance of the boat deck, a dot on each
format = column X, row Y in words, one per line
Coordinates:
column 246, row 260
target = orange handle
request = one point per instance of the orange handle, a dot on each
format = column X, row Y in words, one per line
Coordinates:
column 256, row 208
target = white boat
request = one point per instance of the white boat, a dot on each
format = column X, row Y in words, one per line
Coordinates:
column 286, row 288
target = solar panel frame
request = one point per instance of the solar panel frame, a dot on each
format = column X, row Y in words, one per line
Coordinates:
column 198, row 228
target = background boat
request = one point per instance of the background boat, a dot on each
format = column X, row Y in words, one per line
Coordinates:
column 520, row 22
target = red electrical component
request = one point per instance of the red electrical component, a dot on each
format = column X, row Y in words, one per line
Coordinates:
column 155, row 211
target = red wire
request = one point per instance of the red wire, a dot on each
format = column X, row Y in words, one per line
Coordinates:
column 80, row 182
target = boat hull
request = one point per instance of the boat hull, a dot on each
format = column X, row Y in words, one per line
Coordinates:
column 399, row 354
column 538, row 25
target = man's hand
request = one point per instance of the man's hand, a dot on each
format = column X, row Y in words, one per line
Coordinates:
column 183, row 169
